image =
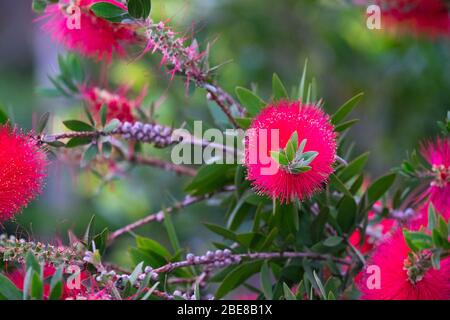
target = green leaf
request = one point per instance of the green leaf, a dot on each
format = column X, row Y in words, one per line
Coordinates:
column 227, row 234
column 150, row 292
column 88, row 114
column 139, row 8
column 42, row 122
column 438, row 241
column 442, row 228
column 345, row 125
column 339, row 185
column 3, row 116
column 101, row 240
column 320, row 285
column 269, row 239
column 39, row 6
column 8, row 289
column 27, row 283
column 32, row 262
column 266, row 283
column 432, row 217
column 244, row 123
column 436, row 260
column 135, row 274
column 108, row 11
column 77, row 125
column 170, row 228
column 300, row 169
column 354, row 167
column 103, row 114
column 418, row 240
column 78, row 141
column 210, row 178
column 278, row 89
column 197, row 292
column 346, row 216
column 380, row 187
column 239, row 212
column 112, row 125
column 292, row 146
column 288, row 294
column 90, row 154
column 56, row 286
column 250, row 101
column 37, row 287
column 279, row 157
column 87, row 237
column 148, row 244
column 346, row 108
column 237, row 277
column 301, row 89
column 332, row 241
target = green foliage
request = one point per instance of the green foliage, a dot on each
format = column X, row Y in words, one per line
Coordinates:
column 109, row 12
column 139, row 8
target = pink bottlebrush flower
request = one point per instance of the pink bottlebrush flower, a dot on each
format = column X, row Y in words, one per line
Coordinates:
column 22, row 171
column 117, row 104
column 423, row 17
column 375, row 233
column 93, row 37
column 391, row 257
column 270, row 131
column 437, row 153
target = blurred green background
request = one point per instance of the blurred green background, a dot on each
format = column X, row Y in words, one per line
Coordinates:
column 405, row 79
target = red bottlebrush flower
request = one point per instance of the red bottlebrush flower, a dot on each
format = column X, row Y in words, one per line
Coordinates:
column 375, row 233
column 270, row 131
column 118, row 106
column 90, row 35
column 391, row 257
column 22, row 171
column 427, row 17
column 437, row 153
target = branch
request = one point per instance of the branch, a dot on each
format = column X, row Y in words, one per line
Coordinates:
column 159, row 216
column 159, row 135
column 187, row 60
column 154, row 162
column 225, row 258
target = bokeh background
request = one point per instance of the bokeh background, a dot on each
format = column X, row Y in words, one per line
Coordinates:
column 406, row 81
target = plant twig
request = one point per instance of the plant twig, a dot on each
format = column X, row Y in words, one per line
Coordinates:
column 158, row 163
column 159, row 216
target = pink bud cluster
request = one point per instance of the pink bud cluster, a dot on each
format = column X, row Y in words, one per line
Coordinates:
column 159, row 135
column 181, row 58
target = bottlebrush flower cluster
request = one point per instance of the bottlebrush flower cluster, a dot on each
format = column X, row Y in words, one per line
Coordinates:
column 406, row 275
column 392, row 258
column 312, row 126
column 91, row 36
column 117, row 104
column 22, row 171
column 437, row 154
column 428, row 17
